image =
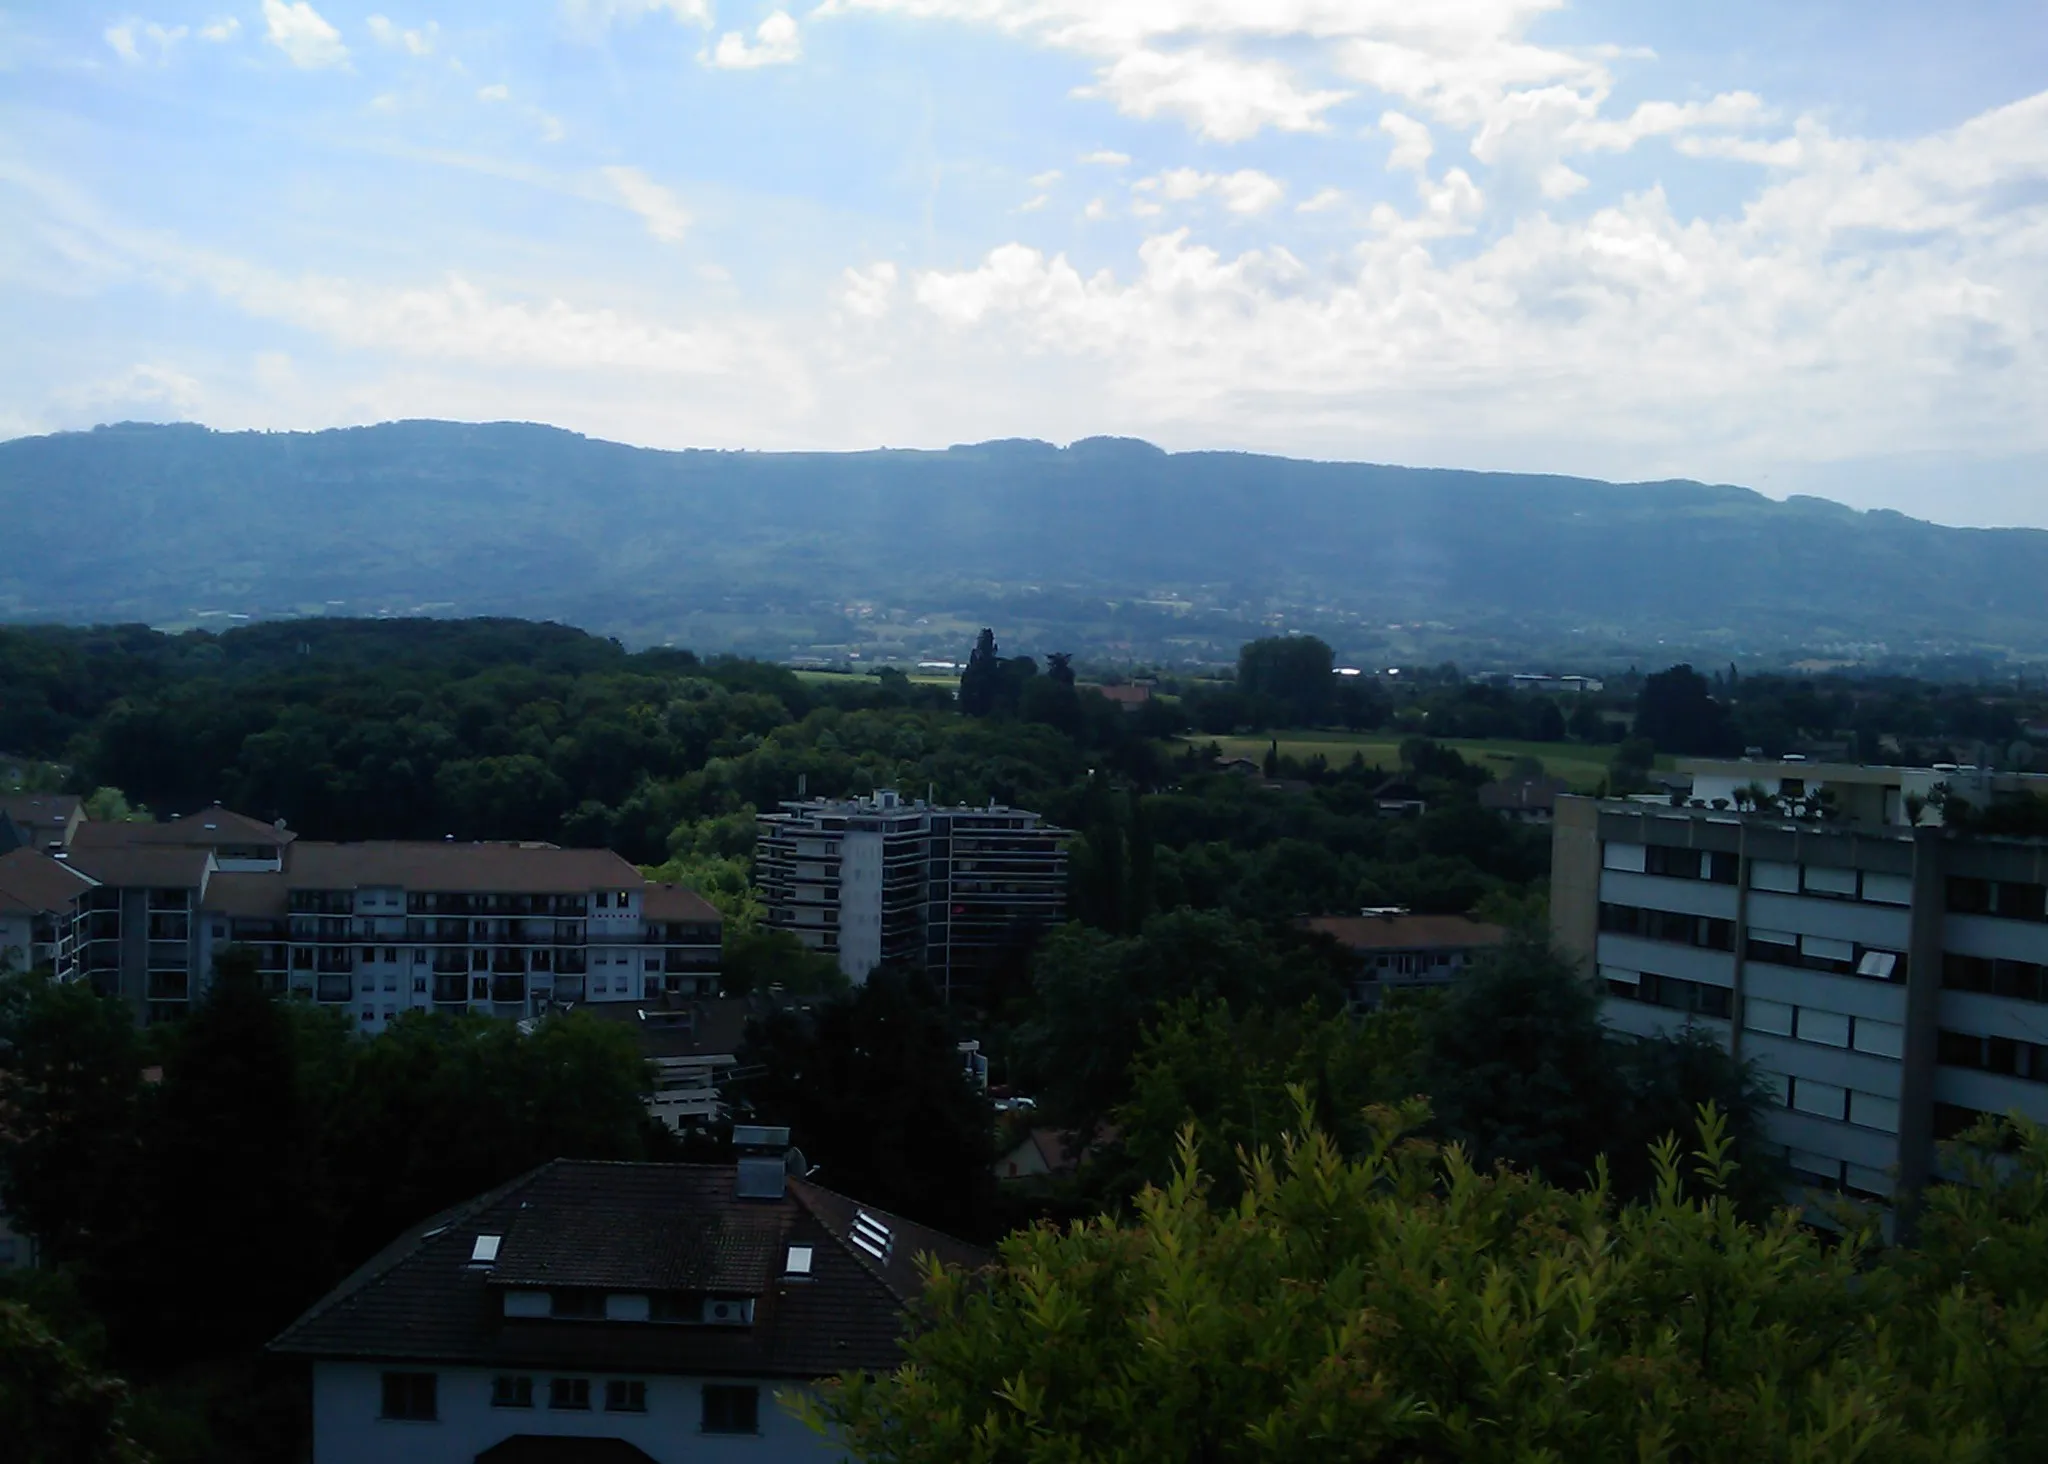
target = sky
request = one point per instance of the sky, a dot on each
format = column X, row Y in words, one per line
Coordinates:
column 1796, row 244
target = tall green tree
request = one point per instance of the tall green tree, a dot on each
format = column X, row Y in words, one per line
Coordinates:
column 1290, row 677
column 55, row 1408
column 981, row 678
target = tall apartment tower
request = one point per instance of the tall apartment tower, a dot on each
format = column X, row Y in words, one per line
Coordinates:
column 878, row 879
column 1890, row 982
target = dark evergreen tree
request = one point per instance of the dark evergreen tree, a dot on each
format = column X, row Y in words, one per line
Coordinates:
column 981, row 681
column 1288, row 677
column 1676, row 711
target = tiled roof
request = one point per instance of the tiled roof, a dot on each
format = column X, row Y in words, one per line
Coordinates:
column 674, row 902
column 633, row 1228
column 39, row 808
column 703, row 1027
column 32, row 883
column 210, row 828
column 1408, row 932
column 143, row 865
column 259, row 896
column 453, row 868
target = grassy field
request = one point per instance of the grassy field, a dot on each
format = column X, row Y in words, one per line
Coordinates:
column 1581, row 766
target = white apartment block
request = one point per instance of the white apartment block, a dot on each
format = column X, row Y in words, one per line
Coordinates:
column 878, row 879
column 1890, row 983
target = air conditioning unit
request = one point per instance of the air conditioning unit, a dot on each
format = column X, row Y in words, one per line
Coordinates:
column 728, row 1311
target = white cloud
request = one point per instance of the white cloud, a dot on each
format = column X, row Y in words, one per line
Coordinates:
column 551, row 129
column 1034, row 204
column 306, row 39
column 662, row 212
column 1246, row 191
column 1412, row 145
column 141, row 42
column 147, row 390
column 1096, row 210
column 776, row 43
column 1046, row 179
column 1220, row 96
column 220, row 31
column 274, row 372
column 497, row 92
column 1104, row 158
column 868, row 293
column 388, row 33
column 1324, row 200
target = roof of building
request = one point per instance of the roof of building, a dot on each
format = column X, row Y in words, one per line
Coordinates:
column 1408, row 932
column 260, row 896
column 210, row 828
column 39, row 808
column 450, row 867
column 32, row 883
column 143, row 865
column 676, row 902
column 1523, row 795
column 701, row 1027
column 634, row 1228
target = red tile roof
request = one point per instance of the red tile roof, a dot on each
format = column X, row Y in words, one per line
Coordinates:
column 675, row 902
column 32, row 883
column 210, row 828
column 1408, row 932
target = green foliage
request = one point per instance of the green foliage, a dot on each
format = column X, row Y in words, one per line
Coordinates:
column 54, row 1407
column 874, row 1092
column 1286, row 680
column 1403, row 1305
column 763, row 959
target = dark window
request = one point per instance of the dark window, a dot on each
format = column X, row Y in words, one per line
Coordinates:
column 1969, row 896
column 2004, row 1055
column 1670, row 992
column 583, row 1304
column 2020, row 979
column 1672, row 863
column 409, row 1395
column 2022, row 901
column 1951, row 1119
column 624, row 1395
column 569, row 1393
column 510, row 1392
column 731, row 1410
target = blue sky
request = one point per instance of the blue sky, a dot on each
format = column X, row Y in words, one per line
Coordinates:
column 1795, row 245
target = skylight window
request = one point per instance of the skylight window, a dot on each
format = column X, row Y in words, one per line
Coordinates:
column 799, row 1263
column 485, row 1251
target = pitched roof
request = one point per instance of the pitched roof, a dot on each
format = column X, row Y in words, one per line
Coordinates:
column 450, row 867
column 39, row 808
column 210, row 828
column 32, row 883
column 635, row 1228
column 259, row 896
column 677, row 902
column 143, row 865
column 704, row 1027
column 1408, row 932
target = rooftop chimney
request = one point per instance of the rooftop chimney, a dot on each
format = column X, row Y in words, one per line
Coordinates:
column 763, row 1170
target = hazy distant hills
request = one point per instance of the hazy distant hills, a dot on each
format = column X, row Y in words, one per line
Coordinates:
column 766, row 550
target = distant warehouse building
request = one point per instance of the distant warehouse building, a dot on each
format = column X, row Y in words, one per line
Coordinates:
column 878, row 879
column 1890, row 982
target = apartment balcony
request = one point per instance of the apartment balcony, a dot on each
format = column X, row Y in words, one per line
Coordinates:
column 508, row 963
column 451, row 989
column 172, row 955
column 170, row 927
column 168, row 986
column 508, row 989
column 568, row 989
column 334, row 988
column 335, row 963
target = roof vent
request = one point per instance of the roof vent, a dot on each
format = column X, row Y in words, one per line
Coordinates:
column 871, row 1235
column 484, row 1254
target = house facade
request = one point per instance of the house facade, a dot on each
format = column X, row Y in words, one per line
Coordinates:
column 1398, row 951
column 620, row 1312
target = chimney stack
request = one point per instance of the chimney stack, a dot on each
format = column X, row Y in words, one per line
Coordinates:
column 763, row 1169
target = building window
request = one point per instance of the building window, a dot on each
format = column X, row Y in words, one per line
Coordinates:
column 2022, row 980
column 1694, row 998
column 580, row 1305
column 410, row 1396
column 511, row 1392
column 625, row 1395
column 731, row 1410
column 604, row 901
column 2006, row 1056
column 569, row 1393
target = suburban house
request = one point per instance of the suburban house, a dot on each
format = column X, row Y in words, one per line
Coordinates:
column 628, row 1313
column 693, row 1045
column 1400, row 798
column 44, row 821
column 1045, row 1154
column 1524, row 800
column 1398, row 951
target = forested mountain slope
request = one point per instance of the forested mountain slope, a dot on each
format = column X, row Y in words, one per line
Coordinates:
column 162, row 522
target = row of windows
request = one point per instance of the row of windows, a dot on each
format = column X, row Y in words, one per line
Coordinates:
column 1703, row 931
column 2006, row 1055
column 1832, row 1100
column 1824, row 953
column 1831, row 882
column 1670, row 992
column 2004, row 898
column 2021, row 979
column 1824, row 1028
column 725, row 1408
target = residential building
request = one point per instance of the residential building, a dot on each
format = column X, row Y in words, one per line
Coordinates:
column 514, row 929
column 1891, row 983
column 45, row 821
column 1852, row 792
column 39, row 901
column 693, row 1046
column 1524, row 800
column 878, row 879
column 1398, row 951
column 623, row 1312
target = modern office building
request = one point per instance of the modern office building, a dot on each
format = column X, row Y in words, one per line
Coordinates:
column 878, row 879
column 1890, row 982
column 376, row 928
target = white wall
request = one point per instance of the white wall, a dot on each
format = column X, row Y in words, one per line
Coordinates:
column 860, row 904
column 348, row 1396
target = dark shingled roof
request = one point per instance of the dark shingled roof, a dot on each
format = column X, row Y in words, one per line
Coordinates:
column 210, row 828
column 453, row 868
column 34, row 883
column 1408, row 932
column 701, row 1027
column 632, row 1228
column 142, row 865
